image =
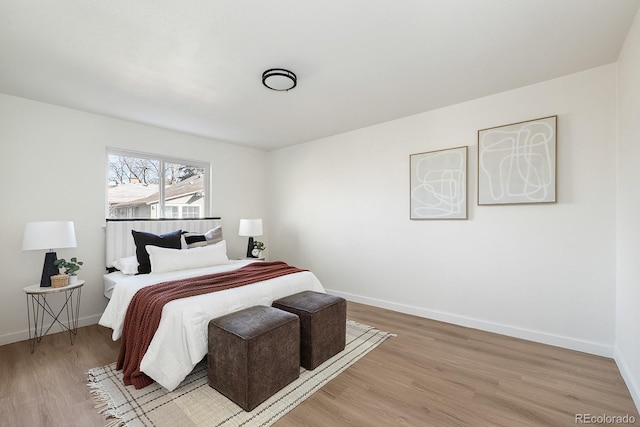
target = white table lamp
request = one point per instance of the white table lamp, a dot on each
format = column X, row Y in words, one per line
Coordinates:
column 250, row 228
column 48, row 235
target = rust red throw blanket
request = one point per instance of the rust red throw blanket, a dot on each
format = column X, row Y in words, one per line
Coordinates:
column 144, row 311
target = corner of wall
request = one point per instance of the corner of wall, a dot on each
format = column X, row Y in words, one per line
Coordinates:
column 632, row 385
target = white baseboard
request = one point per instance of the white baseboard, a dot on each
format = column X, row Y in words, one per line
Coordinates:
column 632, row 385
column 24, row 335
column 512, row 331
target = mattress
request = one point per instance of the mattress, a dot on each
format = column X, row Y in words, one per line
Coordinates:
column 110, row 280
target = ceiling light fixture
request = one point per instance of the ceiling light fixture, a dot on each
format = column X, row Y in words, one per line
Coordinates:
column 279, row 79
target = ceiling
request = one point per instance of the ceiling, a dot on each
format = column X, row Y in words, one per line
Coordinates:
column 195, row 66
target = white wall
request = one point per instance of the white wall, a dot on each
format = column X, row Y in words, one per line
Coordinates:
column 54, row 168
column 340, row 206
column 628, row 232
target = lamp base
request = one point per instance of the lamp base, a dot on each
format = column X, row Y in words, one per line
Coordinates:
column 48, row 269
column 250, row 248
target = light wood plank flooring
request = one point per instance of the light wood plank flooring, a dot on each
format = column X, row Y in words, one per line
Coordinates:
column 431, row 374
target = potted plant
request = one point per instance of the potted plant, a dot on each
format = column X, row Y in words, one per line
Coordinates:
column 71, row 268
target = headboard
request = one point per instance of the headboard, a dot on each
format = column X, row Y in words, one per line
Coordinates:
column 119, row 241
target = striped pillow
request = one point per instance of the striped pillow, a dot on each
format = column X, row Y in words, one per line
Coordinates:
column 194, row 240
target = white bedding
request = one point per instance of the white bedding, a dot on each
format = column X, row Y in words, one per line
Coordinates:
column 181, row 339
column 110, row 280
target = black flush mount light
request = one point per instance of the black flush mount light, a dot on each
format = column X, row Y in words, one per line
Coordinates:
column 279, row 79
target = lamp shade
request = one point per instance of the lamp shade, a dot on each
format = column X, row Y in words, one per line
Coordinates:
column 49, row 235
column 250, row 227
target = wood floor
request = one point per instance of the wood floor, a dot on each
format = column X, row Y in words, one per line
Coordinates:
column 431, row 374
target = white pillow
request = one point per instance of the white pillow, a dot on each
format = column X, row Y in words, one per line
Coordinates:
column 127, row 265
column 165, row 259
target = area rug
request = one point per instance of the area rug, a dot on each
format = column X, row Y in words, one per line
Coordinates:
column 194, row 403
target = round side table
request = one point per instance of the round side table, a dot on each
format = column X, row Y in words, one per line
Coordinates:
column 38, row 306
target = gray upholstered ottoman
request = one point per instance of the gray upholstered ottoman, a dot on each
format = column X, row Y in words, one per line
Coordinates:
column 323, row 320
column 253, row 353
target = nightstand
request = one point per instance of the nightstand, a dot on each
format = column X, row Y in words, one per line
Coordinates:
column 37, row 306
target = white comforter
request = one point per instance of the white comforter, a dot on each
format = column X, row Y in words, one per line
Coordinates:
column 181, row 339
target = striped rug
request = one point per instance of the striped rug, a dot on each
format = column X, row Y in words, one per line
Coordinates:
column 194, row 403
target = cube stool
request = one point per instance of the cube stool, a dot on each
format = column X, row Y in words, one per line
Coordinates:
column 253, row 353
column 323, row 320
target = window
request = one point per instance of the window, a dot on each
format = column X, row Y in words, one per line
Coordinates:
column 143, row 185
column 171, row 212
column 190, row 211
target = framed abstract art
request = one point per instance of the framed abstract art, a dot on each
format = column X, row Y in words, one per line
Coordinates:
column 517, row 163
column 438, row 184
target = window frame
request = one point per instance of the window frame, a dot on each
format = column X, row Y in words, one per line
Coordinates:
column 206, row 166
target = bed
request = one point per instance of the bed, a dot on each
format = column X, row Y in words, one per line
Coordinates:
column 180, row 341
